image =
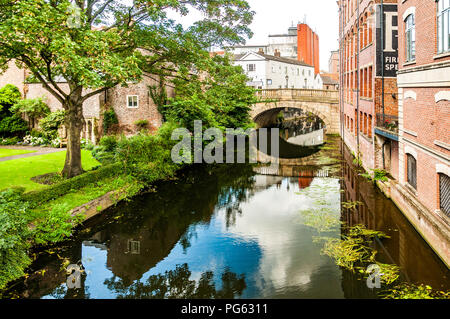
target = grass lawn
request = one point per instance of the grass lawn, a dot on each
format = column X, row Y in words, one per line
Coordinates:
column 5, row 152
column 19, row 172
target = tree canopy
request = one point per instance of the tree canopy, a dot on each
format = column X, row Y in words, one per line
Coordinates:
column 93, row 45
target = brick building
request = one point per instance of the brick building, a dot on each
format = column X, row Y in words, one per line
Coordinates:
column 424, row 106
column 131, row 103
column 308, row 46
column 368, row 86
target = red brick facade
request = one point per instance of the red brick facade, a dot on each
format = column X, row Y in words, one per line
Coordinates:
column 424, row 99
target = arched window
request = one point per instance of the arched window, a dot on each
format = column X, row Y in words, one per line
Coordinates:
column 412, row 171
column 443, row 25
column 410, row 37
column 444, row 194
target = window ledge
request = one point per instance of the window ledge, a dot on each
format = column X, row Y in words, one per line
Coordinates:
column 366, row 98
column 409, row 63
column 442, row 55
column 411, row 189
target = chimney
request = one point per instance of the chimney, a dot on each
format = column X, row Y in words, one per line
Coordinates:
column 260, row 51
column 277, row 53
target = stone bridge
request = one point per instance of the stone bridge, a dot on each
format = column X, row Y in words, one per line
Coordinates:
column 322, row 103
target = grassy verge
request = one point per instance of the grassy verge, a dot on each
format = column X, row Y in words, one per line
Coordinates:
column 18, row 172
column 5, row 152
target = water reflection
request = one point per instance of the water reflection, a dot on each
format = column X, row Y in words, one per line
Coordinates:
column 228, row 232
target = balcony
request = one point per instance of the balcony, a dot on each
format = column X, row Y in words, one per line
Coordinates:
column 387, row 126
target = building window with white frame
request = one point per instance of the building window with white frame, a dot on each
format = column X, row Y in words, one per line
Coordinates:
column 132, row 101
column 410, row 36
column 443, row 26
column 251, row 67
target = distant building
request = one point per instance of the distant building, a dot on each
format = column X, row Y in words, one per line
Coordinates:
column 328, row 82
column 333, row 63
column 275, row 72
column 299, row 43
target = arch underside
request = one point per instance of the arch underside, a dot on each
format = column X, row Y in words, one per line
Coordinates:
column 264, row 114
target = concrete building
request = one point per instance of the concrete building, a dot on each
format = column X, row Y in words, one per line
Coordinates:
column 286, row 44
column 368, row 90
column 275, row 72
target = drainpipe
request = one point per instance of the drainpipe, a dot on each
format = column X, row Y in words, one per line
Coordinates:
column 382, row 58
column 357, row 79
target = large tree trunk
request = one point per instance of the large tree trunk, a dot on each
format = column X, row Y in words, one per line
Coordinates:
column 74, row 124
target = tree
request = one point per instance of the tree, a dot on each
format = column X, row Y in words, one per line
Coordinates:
column 95, row 45
column 32, row 108
column 220, row 97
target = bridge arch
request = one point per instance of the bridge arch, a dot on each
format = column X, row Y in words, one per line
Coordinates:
column 321, row 103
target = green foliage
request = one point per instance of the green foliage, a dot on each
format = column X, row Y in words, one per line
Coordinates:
column 109, row 119
column 54, row 225
column 57, row 190
column 9, row 95
column 51, row 124
column 13, row 126
column 33, row 108
column 221, row 99
column 377, row 175
column 411, row 291
column 14, row 236
column 105, row 151
column 141, row 124
column 9, row 141
column 148, row 157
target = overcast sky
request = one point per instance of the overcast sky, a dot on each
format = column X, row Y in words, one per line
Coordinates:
column 276, row 16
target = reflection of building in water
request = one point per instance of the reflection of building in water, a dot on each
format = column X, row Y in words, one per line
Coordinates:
column 404, row 248
column 308, row 139
column 305, row 178
column 301, row 128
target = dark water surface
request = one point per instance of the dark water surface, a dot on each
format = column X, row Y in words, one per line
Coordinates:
column 229, row 232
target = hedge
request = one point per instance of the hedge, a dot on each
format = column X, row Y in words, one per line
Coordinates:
column 60, row 189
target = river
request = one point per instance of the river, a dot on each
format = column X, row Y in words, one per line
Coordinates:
column 234, row 231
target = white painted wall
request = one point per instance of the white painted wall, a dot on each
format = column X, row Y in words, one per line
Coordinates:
column 300, row 77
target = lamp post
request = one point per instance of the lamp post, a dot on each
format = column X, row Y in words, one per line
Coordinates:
column 287, row 81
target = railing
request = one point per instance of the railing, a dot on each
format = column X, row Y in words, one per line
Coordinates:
column 299, row 94
column 387, row 122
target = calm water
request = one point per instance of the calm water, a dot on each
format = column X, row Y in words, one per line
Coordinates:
column 229, row 232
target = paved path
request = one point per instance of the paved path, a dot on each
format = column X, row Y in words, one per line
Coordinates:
column 38, row 151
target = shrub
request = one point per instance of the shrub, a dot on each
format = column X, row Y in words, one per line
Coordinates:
column 141, row 124
column 60, row 189
column 9, row 141
column 87, row 145
column 148, row 157
column 13, row 126
column 33, row 108
column 109, row 143
column 55, row 225
column 51, row 124
column 109, row 119
column 14, row 236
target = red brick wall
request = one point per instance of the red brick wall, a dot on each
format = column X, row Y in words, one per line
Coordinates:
column 308, row 46
column 426, row 40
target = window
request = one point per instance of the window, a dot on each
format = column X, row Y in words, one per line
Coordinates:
column 251, row 67
column 134, row 247
column 132, row 101
column 410, row 38
column 444, row 194
column 412, row 171
column 443, row 26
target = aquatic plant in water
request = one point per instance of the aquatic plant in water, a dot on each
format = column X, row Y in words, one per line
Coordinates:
column 411, row 291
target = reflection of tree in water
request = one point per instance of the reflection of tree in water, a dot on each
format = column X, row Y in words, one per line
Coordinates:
column 176, row 284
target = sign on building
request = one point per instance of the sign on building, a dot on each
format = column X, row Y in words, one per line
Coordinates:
column 389, row 58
